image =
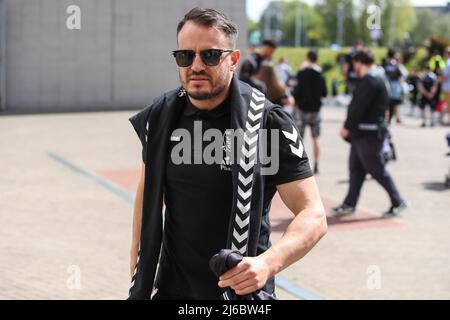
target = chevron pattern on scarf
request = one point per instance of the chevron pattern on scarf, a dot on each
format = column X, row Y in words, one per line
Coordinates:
column 247, row 162
column 133, row 279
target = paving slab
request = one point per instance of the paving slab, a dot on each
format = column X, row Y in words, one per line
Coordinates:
column 66, row 193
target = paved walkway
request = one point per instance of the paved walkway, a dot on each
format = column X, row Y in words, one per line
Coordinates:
column 66, row 207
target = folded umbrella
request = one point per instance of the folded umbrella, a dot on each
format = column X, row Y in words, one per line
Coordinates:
column 225, row 260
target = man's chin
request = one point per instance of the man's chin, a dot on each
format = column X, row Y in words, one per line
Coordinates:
column 204, row 93
column 199, row 94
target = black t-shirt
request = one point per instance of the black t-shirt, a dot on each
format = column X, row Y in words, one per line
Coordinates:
column 413, row 80
column 428, row 80
column 368, row 104
column 198, row 199
column 392, row 70
column 310, row 89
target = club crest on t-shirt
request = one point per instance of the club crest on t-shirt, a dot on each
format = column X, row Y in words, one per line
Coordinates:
column 226, row 147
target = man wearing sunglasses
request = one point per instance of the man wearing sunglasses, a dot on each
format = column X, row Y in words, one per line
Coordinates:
column 225, row 204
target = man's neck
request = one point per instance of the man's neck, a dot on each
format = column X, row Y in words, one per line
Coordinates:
column 364, row 71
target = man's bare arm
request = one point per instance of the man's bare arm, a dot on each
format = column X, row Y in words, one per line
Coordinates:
column 425, row 92
column 434, row 90
column 137, row 221
column 422, row 89
column 309, row 225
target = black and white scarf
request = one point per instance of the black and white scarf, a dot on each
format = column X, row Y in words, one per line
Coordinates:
column 249, row 109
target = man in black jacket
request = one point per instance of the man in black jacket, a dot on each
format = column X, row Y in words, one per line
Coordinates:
column 308, row 94
column 216, row 198
column 366, row 130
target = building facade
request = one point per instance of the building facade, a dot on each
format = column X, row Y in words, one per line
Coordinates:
column 119, row 58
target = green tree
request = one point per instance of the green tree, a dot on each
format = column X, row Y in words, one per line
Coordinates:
column 320, row 22
column 425, row 27
column 404, row 20
column 367, row 19
column 430, row 23
column 329, row 10
column 312, row 24
column 252, row 25
column 356, row 16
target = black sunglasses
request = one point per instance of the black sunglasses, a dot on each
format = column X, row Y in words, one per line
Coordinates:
column 210, row 57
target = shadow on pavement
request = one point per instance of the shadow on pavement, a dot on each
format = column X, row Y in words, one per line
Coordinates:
column 435, row 186
column 332, row 220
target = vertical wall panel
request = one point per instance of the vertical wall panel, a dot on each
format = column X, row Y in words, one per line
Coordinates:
column 119, row 59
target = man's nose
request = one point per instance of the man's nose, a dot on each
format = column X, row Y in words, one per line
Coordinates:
column 197, row 64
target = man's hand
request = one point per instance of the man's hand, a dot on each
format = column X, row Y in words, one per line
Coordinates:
column 248, row 276
column 344, row 133
column 309, row 225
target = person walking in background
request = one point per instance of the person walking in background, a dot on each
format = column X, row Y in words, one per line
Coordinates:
column 395, row 76
column 413, row 83
column 276, row 90
column 347, row 68
column 428, row 87
column 436, row 62
column 365, row 128
column 251, row 65
column 265, row 75
column 311, row 88
column 334, row 86
column 445, row 80
column 283, row 70
column 437, row 65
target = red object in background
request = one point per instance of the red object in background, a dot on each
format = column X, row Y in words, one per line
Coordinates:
column 441, row 106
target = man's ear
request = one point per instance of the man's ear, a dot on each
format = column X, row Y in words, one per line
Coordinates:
column 235, row 56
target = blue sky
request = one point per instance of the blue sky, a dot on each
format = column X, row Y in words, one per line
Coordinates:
column 256, row 7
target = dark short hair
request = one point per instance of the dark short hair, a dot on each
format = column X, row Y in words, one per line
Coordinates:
column 211, row 18
column 391, row 53
column 269, row 43
column 364, row 56
column 312, row 56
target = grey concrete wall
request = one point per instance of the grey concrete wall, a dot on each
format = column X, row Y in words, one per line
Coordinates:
column 119, row 59
column 2, row 54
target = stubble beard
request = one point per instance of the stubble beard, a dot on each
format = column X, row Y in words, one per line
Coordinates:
column 216, row 90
